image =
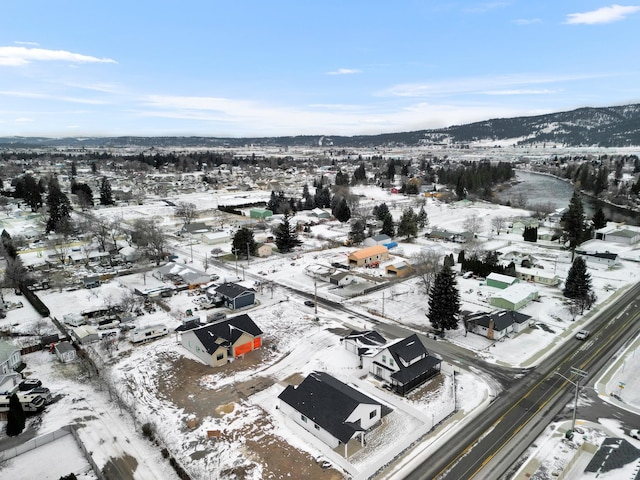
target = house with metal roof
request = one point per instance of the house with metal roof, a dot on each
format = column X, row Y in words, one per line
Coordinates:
column 399, row 269
column 217, row 343
column 330, row 410
column 404, row 364
column 499, row 280
column 618, row 234
column 514, row 297
column 364, row 256
column 380, row 239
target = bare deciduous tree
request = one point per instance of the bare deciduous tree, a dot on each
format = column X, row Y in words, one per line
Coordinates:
column 187, row 212
column 427, row 264
column 473, row 224
column 498, row 224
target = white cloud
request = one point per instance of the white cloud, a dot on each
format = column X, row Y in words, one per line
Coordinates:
column 248, row 118
column 519, row 92
column 18, row 56
column 610, row 14
column 24, row 120
column 344, row 71
column 480, row 85
column 87, row 101
column 527, row 21
column 487, row 7
column 31, row 44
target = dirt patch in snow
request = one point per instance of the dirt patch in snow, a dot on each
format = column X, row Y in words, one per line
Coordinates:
column 181, row 382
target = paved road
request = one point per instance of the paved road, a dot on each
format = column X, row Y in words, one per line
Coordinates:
column 493, row 442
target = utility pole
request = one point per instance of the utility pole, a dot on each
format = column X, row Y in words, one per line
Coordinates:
column 247, row 253
column 383, row 304
column 580, row 374
column 315, row 296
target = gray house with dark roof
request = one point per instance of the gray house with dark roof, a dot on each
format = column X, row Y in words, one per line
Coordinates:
column 497, row 325
column 329, row 409
column 236, row 296
column 216, row 343
column 404, row 364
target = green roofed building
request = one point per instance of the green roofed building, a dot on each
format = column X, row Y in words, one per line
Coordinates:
column 260, row 213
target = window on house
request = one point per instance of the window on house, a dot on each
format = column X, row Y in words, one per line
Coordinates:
column 384, row 359
column 303, row 418
column 391, row 362
column 316, row 426
column 372, row 414
column 220, row 356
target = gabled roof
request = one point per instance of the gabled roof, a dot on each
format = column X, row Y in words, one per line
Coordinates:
column 407, row 349
column 232, row 290
column 501, row 320
column 327, row 402
column 367, row 338
column 226, row 331
column 368, row 252
column 406, row 374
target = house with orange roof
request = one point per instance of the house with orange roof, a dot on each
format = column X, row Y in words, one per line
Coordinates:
column 365, row 256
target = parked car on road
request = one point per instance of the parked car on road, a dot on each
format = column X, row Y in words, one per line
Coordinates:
column 309, row 303
column 635, row 434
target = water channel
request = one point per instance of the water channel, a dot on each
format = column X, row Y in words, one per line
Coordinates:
column 539, row 189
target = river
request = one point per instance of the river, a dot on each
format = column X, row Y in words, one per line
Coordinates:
column 539, row 189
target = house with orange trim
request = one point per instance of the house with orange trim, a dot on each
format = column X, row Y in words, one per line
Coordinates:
column 217, row 343
column 365, row 256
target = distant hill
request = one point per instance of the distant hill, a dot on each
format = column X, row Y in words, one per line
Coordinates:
column 599, row 127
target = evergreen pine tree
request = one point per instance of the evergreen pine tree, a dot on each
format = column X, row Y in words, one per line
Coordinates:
column 578, row 283
column 408, row 224
column 15, row 417
column 422, row 220
column 59, row 208
column 380, row 211
column 599, row 220
column 356, row 234
column 388, row 227
column 342, row 211
column 243, row 243
column 444, row 301
column 286, row 236
column 106, row 197
column 573, row 222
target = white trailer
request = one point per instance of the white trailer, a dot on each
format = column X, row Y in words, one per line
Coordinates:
column 147, row 333
column 30, row 403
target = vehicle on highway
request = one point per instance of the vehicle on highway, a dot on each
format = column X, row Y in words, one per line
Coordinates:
column 309, row 303
column 582, row 334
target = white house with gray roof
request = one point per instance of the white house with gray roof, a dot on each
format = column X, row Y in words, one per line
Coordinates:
column 330, row 410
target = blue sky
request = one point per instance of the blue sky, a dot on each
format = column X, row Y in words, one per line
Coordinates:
column 270, row 67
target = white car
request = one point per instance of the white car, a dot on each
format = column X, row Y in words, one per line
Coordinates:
column 634, row 434
column 582, row 334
